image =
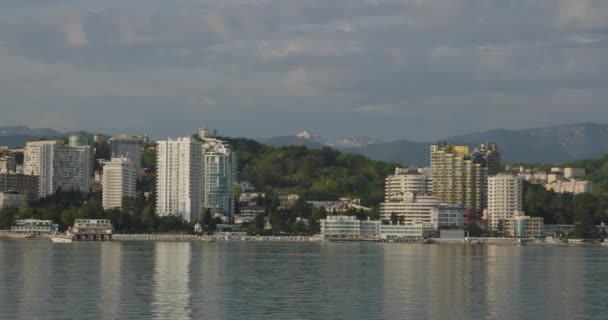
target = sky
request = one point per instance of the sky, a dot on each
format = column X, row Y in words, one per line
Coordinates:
column 414, row 69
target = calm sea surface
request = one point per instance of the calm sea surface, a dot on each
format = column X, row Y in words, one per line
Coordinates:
column 148, row 280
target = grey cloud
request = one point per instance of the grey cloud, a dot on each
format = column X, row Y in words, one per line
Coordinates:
column 391, row 68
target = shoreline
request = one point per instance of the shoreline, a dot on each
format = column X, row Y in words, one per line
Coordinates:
column 166, row 237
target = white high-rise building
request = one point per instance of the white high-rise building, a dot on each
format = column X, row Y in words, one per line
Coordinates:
column 118, row 182
column 179, row 178
column 412, row 208
column 126, row 146
column 58, row 166
column 219, row 176
column 406, row 180
column 505, row 198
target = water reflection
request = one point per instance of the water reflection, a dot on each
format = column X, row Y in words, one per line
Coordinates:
column 171, row 280
column 111, row 284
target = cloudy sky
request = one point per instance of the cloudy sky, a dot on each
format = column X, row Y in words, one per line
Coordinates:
column 418, row 69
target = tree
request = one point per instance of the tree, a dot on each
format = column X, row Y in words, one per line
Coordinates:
column 474, row 230
column 68, row 216
column 7, row 217
column 394, row 218
column 299, row 227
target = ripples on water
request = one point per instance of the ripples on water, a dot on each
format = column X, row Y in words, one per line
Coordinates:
column 300, row 281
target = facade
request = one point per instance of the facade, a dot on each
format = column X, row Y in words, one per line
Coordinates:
column 505, row 198
column 118, row 182
column 407, row 180
column 488, row 155
column 411, row 209
column 20, row 183
column 81, row 139
column 219, row 176
column 249, row 198
column 345, row 205
column 533, row 176
column 58, row 166
column 92, row 230
column 349, row 227
column 179, row 178
column 569, row 172
column 570, row 186
column 34, row 226
column 248, row 214
column 457, row 178
column 8, row 199
column 127, row 146
column 452, row 217
column 7, row 162
column 521, row 226
column 337, row 227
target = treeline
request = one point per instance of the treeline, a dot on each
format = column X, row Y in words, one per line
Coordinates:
column 584, row 210
column 64, row 207
column 315, row 174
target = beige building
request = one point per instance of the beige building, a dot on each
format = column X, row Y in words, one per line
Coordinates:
column 118, row 182
column 457, row 179
column 570, row 186
column 522, row 226
column 412, row 208
column 505, row 198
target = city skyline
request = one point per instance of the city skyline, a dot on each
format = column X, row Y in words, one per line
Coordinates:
column 392, row 69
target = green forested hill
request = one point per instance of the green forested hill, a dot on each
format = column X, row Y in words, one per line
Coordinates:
column 316, row 174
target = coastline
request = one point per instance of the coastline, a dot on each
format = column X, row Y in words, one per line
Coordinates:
column 168, row 237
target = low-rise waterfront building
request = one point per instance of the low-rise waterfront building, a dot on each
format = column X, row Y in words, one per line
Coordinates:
column 401, row 231
column 521, row 226
column 92, row 230
column 350, row 227
column 34, row 226
column 445, row 216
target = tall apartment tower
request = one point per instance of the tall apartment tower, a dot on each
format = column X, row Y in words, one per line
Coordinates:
column 219, row 176
column 406, row 180
column 488, row 155
column 118, row 182
column 179, row 178
column 127, row 146
column 505, row 198
column 58, row 166
column 457, row 179
column 83, row 139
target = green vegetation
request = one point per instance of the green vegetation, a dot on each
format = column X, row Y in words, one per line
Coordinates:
column 585, row 210
column 314, row 174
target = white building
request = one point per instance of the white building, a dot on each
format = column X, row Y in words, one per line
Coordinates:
column 570, row 186
column 34, row 226
column 179, row 178
column 350, row 227
column 569, row 172
column 505, row 198
column 407, row 180
column 248, row 214
column 118, row 182
column 411, row 209
column 58, row 166
column 127, row 146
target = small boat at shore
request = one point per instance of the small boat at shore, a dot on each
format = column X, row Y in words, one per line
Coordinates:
column 61, row 239
column 605, row 243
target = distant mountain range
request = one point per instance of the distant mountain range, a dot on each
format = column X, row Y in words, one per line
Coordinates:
column 16, row 137
column 557, row 144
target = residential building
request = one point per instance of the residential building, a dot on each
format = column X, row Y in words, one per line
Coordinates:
column 407, row 180
column 81, row 139
column 505, row 198
column 118, row 182
column 569, row 172
column 9, row 199
column 127, row 146
column 251, row 198
column 248, row 214
column 219, row 176
column 345, row 205
column 20, row 183
column 488, row 155
column 58, row 166
column 521, row 226
column 288, row 200
column 533, row 176
column 444, row 216
column 570, row 186
column 411, row 208
column 180, row 178
column 458, row 179
column 7, row 161
column 34, row 226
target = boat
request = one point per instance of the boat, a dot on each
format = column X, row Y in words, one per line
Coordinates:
column 605, row 243
column 61, row 240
